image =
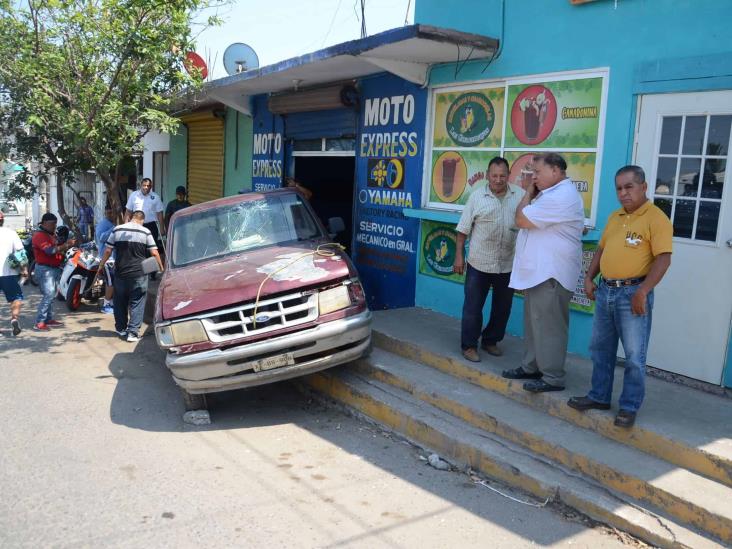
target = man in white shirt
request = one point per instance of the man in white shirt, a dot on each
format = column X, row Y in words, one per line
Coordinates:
column 9, row 244
column 546, row 268
column 149, row 202
column 488, row 219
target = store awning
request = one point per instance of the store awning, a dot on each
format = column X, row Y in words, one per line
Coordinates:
column 407, row 52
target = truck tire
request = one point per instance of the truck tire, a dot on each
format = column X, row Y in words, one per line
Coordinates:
column 194, row 402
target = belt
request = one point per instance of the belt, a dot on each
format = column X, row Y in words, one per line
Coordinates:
column 620, row 282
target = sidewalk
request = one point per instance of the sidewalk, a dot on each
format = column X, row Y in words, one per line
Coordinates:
column 674, row 466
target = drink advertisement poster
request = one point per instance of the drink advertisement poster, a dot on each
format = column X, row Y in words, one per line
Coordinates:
column 580, row 169
column 470, row 118
column 471, row 125
column 554, row 115
column 438, row 244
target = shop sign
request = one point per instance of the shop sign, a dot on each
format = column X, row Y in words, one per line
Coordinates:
column 438, row 246
column 388, row 180
column 268, row 151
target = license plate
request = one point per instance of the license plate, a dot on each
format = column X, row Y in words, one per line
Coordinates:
column 273, row 362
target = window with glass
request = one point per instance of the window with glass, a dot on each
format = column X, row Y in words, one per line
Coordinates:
column 269, row 221
column 690, row 171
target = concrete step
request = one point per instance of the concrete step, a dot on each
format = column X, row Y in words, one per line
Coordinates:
column 685, row 426
column 466, row 445
column 689, row 497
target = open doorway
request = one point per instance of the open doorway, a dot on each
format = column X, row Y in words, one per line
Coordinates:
column 331, row 180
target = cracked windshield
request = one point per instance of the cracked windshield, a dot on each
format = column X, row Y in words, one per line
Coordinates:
column 240, row 227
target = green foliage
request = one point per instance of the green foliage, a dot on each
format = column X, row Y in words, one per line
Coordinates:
column 82, row 81
column 21, row 187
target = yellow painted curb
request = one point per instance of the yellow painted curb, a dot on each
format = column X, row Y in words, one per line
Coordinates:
column 422, row 433
column 693, row 459
column 634, row 487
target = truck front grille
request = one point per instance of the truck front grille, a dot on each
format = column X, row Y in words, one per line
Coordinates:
column 272, row 314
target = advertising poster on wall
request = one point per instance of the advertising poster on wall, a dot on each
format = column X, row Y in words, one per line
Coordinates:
column 580, row 169
column 469, row 118
column 562, row 115
column 580, row 301
column 555, row 115
column 390, row 153
column 437, row 251
column 456, row 174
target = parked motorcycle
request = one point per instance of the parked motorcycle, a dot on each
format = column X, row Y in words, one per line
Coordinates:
column 78, row 276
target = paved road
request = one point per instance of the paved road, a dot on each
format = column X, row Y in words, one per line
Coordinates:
column 95, row 453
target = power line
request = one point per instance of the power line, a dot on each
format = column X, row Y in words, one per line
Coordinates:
column 330, row 27
column 406, row 15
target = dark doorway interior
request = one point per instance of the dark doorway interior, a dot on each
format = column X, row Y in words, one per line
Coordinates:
column 330, row 178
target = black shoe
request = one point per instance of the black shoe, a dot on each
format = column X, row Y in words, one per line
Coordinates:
column 586, row 403
column 541, row 386
column 520, row 373
column 625, row 419
column 15, row 325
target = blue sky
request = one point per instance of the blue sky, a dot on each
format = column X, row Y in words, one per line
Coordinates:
column 281, row 29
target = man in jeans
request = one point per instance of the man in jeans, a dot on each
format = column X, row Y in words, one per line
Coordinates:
column 49, row 255
column 488, row 219
column 632, row 258
column 546, row 267
column 132, row 243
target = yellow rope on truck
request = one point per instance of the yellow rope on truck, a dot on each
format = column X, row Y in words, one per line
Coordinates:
column 318, row 251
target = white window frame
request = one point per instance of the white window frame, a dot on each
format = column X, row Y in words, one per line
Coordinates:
column 679, row 156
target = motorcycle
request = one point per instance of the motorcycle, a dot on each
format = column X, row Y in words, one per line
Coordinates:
column 78, row 277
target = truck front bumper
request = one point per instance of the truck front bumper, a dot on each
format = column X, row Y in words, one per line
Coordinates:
column 314, row 349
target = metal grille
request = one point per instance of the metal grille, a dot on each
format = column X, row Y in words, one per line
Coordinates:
column 272, row 314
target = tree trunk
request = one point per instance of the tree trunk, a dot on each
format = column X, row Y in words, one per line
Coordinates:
column 60, row 197
column 113, row 198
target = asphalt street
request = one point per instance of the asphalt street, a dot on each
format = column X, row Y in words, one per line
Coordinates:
column 95, row 454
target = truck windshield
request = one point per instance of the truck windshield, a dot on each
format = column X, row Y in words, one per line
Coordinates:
column 269, row 221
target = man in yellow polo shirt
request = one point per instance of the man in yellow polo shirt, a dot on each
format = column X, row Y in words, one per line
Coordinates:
column 632, row 257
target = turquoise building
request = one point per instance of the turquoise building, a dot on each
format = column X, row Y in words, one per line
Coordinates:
column 394, row 131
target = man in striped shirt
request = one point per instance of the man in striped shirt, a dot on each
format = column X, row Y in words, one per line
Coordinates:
column 489, row 220
column 132, row 243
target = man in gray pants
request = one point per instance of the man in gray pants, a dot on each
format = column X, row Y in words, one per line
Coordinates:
column 546, row 268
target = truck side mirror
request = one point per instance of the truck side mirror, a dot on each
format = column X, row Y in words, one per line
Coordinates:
column 336, row 225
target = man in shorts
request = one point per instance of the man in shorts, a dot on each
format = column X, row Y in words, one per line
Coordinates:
column 9, row 244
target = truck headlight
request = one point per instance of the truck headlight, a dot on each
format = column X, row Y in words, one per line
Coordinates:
column 180, row 333
column 333, row 300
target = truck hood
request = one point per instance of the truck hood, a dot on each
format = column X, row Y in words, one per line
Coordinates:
column 234, row 279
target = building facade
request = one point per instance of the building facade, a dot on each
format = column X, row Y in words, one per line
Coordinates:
column 417, row 114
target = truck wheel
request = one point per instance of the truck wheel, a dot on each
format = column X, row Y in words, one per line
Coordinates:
column 193, row 401
column 73, row 294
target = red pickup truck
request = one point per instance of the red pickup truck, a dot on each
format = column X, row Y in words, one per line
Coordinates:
column 255, row 291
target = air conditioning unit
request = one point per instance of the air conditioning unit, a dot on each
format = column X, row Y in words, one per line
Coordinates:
column 316, row 99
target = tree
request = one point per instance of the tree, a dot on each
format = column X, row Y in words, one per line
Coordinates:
column 82, row 81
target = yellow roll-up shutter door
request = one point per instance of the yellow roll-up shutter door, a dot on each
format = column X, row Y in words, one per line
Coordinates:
column 205, row 156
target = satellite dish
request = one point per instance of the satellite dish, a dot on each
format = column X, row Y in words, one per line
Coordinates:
column 240, row 58
column 195, row 61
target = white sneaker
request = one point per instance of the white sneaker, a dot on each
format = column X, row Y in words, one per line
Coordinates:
column 122, row 334
column 132, row 338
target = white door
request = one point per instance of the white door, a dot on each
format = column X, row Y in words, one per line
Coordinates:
column 683, row 143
